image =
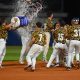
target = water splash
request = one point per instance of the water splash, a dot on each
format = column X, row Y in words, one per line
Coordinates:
column 28, row 9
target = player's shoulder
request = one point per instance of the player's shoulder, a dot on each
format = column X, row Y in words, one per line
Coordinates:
column 41, row 32
column 34, row 33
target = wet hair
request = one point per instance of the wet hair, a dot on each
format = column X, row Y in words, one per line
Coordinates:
column 39, row 24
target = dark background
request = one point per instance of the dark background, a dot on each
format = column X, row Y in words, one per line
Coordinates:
column 70, row 7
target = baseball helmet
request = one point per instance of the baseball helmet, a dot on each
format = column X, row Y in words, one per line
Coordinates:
column 75, row 21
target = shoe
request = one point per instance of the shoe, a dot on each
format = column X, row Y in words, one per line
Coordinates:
column 56, row 65
column 52, row 65
column 68, row 68
column 65, row 64
column 32, row 69
column 27, row 67
column 73, row 65
column 21, row 62
column 78, row 64
column 1, row 66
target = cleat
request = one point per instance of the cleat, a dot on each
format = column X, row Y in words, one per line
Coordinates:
column 32, row 69
column 68, row 68
column 27, row 67
column 73, row 65
column 78, row 64
column 21, row 62
column 1, row 67
column 52, row 65
column 65, row 64
column 56, row 65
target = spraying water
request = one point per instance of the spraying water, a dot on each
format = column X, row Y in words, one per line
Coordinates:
column 28, row 9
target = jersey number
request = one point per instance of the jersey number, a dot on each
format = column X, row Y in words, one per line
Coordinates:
column 60, row 37
column 77, row 32
column 40, row 37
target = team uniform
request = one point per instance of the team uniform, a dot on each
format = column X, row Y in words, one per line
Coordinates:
column 36, row 48
column 48, row 28
column 68, row 43
column 3, row 37
column 60, row 38
column 73, row 33
column 30, row 10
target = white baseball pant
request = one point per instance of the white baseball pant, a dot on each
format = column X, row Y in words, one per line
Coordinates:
column 46, row 47
column 2, row 50
column 25, row 48
column 33, row 53
column 56, row 51
column 74, row 44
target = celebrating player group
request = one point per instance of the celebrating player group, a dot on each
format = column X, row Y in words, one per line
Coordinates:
column 65, row 38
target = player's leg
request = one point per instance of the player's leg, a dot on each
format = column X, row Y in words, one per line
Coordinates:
column 2, row 51
column 73, row 55
column 77, row 55
column 57, row 60
column 24, row 50
column 46, row 47
column 38, row 50
column 71, row 48
column 77, row 52
column 21, row 59
column 53, row 55
column 66, row 55
column 29, row 58
column 30, row 55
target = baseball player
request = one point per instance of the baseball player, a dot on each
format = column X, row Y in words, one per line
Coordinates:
column 73, row 33
column 60, row 38
column 37, row 42
column 29, row 9
column 4, row 27
column 48, row 28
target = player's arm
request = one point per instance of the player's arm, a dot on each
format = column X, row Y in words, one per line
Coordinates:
column 65, row 31
column 32, row 41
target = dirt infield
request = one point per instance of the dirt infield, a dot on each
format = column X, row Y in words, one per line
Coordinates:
column 14, row 71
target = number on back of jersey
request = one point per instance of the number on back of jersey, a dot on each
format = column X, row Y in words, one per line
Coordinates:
column 60, row 37
column 76, row 32
column 40, row 37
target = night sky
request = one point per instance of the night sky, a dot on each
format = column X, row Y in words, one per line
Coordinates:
column 72, row 8
column 53, row 5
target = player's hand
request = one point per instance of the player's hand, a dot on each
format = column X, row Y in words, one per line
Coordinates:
column 52, row 30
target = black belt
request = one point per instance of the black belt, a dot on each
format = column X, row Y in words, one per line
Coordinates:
column 40, row 44
column 63, row 42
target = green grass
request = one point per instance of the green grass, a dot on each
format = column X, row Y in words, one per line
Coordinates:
column 13, row 53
